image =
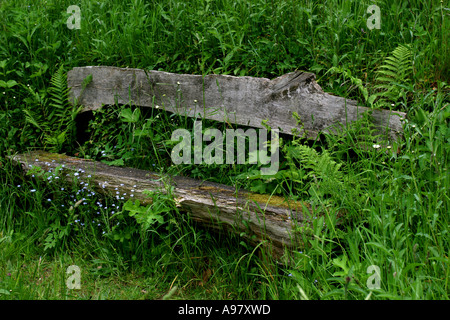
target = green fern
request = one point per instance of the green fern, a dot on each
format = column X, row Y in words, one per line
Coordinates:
column 59, row 94
column 320, row 166
column 322, row 177
column 56, row 121
column 393, row 77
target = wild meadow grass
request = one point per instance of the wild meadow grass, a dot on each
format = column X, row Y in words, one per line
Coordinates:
column 393, row 198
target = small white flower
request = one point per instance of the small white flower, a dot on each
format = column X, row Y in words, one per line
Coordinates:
column 376, row 146
column 178, row 83
column 33, row 190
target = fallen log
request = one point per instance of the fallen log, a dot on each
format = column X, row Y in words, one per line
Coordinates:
column 244, row 101
column 271, row 220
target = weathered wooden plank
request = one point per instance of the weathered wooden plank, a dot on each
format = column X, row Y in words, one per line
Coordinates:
column 271, row 220
column 239, row 100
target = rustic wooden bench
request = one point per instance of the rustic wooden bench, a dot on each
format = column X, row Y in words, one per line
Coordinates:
column 256, row 217
column 244, row 101
column 272, row 220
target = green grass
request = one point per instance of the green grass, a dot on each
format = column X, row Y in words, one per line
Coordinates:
column 395, row 199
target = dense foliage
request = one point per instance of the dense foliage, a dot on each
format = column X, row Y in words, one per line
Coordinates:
column 394, row 198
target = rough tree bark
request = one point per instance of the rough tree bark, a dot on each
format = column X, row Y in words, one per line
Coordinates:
column 271, row 220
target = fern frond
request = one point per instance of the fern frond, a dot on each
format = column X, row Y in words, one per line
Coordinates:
column 393, row 76
column 58, row 91
column 57, row 121
column 322, row 166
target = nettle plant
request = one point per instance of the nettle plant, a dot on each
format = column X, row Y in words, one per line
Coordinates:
column 126, row 136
